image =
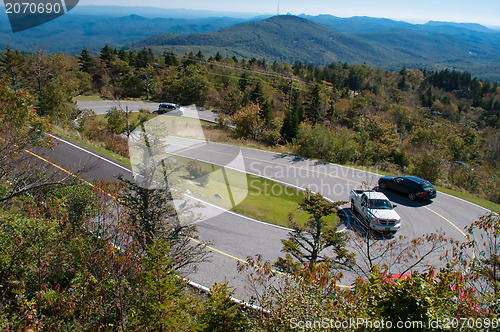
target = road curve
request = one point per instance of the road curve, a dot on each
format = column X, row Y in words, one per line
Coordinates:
column 235, row 237
column 231, row 237
column 445, row 212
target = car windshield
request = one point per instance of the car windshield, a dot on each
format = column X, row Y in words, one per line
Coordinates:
column 427, row 186
column 380, row 204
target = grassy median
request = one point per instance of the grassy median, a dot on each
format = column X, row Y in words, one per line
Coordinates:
column 263, row 199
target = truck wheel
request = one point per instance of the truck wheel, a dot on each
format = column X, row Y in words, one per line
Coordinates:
column 383, row 186
column 412, row 196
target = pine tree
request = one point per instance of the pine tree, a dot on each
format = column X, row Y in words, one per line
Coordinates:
column 107, row 54
column 152, row 217
column 170, row 59
column 313, row 105
column 12, row 66
column 290, row 127
column 85, row 61
column 306, row 245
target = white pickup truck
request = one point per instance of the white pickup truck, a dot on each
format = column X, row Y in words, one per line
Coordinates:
column 376, row 211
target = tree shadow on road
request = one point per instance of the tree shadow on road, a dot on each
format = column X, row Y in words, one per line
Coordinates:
column 354, row 223
column 402, row 200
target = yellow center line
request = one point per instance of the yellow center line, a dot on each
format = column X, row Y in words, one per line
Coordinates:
column 313, row 171
column 245, row 262
column 111, row 196
column 58, row 167
column 473, row 249
column 458, row 229
column 250, row 158
column 220, row 252
column 70, row 173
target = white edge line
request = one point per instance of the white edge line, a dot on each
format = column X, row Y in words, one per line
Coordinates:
column 338, row 165
column 190, row 282
column 205, row 288
column 239, row 215
column 195, row 198
column 90, row 152
column 287, row 155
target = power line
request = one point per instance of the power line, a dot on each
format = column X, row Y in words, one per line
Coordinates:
column 240, row 68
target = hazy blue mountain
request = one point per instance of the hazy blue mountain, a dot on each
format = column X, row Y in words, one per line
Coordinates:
column 434, row 45
column 357, row 23
column 72, row 31
column 372, row 24
column 318, row 39
column 280, row 38
column 380, row 42
column 467, row 26
column 152, row 12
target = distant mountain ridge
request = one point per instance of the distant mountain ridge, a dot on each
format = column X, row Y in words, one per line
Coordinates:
column 280, row 38
column 317, row 39
column 379, row 42
column 71, row 32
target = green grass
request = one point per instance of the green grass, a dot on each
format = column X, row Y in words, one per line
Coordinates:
column 465, row 196
column 471, row 198
column 260, row 198
column 171, row 125
column 264, row 199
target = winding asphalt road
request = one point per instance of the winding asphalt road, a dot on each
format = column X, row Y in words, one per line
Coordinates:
column 233, row 237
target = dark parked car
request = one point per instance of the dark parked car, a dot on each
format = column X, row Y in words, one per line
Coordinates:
column 412, row 186
column 169, row 108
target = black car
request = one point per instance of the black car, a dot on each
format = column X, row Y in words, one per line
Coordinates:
column 412, row 186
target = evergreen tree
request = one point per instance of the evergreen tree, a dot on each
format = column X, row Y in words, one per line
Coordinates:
column 243, row 82
column 144, row 58
column 107, row 54
column 290, row 127
column 85, row 61
column 170, row 59
column 307, row 245
column 257, row 94
column 200, row 56
column 123, row 55
column 11, row 63
column 313, row 105
column 152, row 217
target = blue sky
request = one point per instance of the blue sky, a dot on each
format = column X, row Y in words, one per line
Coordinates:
column 486, row 12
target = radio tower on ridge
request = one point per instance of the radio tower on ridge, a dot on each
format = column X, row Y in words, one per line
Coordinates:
column 278, row 11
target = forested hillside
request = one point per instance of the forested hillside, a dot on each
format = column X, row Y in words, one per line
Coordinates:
column 324, row 39
column 443, row 126
column 75, row 258
column 318, row 39
column 281, row 38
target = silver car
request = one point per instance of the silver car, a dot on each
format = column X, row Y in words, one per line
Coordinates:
column 169, row 108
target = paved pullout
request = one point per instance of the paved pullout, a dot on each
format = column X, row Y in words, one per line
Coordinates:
column 102, row 107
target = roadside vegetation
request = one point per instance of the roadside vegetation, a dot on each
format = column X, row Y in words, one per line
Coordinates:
column 109, row 257
column 443, row 126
